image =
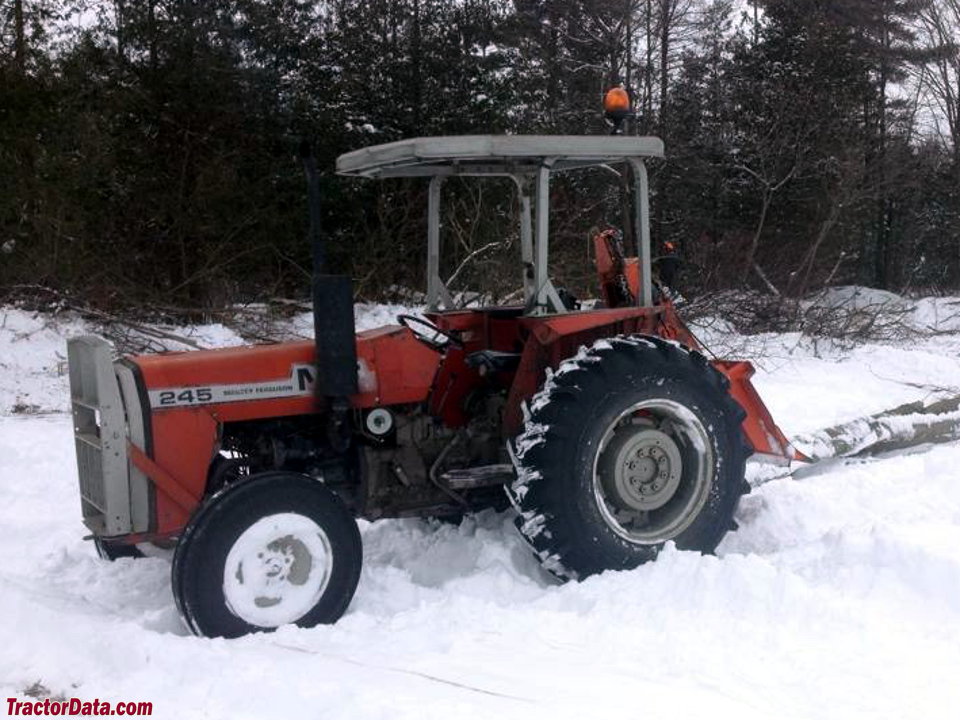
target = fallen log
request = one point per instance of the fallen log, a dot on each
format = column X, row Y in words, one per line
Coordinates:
column 902, row 427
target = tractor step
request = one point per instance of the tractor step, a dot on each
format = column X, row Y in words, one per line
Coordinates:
column 481, row 476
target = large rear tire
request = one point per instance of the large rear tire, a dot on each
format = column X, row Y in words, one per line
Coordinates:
column 275, row 549
column 631, row 444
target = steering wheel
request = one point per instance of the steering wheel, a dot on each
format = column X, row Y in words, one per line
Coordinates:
column 433, row 337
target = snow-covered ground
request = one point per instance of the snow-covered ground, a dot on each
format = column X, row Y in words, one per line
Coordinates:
column 838, row 597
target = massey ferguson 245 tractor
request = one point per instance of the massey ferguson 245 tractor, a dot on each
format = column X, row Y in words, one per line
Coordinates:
column 607, row 429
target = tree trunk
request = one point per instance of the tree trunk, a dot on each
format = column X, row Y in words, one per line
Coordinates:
column 902, row 427
column 416, row 60
column 628, row 54
column 120, row 18
column 152, row 29
column 758, row 231
column 804, row 271
column 648, row 70
column 19, row 38
column 665, row 28
column 882, row 257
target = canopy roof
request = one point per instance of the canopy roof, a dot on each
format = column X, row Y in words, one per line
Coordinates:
column 493, row 154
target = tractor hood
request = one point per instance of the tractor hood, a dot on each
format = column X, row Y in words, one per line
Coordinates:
column 245, row 383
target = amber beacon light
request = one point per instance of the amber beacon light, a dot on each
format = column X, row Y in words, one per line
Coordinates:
column 616, row 107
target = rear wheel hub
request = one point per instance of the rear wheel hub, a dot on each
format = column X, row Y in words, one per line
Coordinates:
column 642, row 469
column 653, row 471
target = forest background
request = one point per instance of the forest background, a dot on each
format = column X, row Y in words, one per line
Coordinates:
column 148, row 149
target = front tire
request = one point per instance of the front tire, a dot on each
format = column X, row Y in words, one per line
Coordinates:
column 631, row 444
column 275, row 549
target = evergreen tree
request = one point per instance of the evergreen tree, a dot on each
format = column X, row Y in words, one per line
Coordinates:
column 149, row 150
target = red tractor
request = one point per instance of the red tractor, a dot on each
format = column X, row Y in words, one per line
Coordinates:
column 607, row 429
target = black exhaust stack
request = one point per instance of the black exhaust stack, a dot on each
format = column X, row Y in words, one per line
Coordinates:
column 333, row 325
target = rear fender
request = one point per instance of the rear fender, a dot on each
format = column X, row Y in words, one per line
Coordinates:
column 552, row 339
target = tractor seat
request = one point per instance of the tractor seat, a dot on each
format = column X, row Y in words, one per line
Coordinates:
column 493, row 360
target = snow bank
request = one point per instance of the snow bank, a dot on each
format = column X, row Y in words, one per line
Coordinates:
column 836, row 598
column 33, row 361
column 930, row 314
column 810, row 383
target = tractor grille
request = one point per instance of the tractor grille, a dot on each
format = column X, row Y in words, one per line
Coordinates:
column 91, row 474
column 100, row 433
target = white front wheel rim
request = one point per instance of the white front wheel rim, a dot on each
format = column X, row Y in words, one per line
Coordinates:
column 277, row 570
